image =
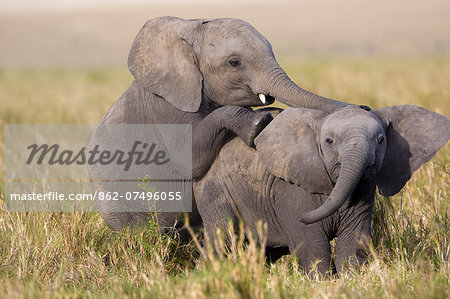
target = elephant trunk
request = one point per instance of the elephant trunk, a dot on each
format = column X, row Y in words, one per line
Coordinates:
column 354, row 163
column 276, row 83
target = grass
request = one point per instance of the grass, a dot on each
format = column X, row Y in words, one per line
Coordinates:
column 75, row 254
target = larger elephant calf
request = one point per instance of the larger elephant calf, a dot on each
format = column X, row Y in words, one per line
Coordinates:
column 206, row 73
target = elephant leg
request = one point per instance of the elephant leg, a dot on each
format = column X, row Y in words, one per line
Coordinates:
column 171, row 221
column 109, row 210
column 352, row 245
column 211, row 133
column 244, row 122
column 216, row 213
column 311, row 248
column 309, row 242
column 353, row 236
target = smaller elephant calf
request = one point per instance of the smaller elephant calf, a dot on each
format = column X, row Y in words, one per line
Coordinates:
column 313, row 177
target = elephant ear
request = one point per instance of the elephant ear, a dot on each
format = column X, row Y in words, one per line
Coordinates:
column 288, row 148
column 414, row 135
column 163, row 62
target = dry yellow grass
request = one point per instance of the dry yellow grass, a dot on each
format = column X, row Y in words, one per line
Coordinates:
column 101, row 35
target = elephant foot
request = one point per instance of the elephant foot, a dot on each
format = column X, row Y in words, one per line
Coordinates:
column 258, row 123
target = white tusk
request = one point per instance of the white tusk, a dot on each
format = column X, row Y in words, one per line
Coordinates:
column 262, row 98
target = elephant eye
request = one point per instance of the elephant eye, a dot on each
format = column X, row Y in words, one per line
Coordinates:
column 329, row 140
column 234, row 62
column 380, row 139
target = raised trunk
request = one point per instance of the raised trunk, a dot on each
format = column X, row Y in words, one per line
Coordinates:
column 354, row 162
column 278, row 85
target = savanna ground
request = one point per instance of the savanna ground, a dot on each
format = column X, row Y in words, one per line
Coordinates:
column 75, row 254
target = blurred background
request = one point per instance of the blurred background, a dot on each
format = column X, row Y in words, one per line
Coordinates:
column 83, row 33
column 64, row 61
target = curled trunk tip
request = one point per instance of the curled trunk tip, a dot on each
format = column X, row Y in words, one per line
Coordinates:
column 353, row 166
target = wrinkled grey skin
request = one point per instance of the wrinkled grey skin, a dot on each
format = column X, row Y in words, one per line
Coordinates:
column 314, row 174
column 205, row 73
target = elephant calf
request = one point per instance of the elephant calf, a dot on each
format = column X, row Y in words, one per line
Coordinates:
column 313, row 177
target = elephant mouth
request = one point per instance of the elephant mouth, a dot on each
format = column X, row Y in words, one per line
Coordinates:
column 369, row 174
column 266, row 99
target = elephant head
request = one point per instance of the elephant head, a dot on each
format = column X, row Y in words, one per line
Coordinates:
column 225, row 61
column 332, row 152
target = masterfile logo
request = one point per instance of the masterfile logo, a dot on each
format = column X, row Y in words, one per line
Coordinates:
column 127, row 166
